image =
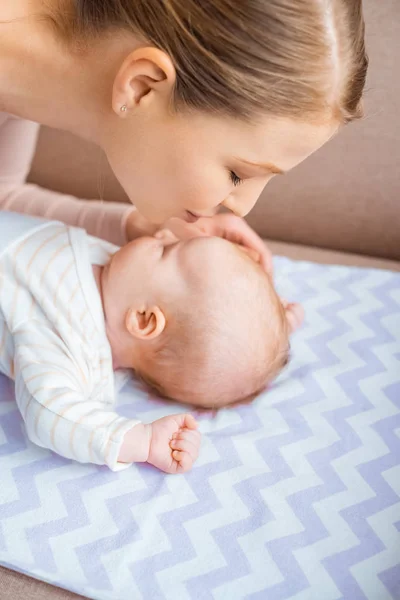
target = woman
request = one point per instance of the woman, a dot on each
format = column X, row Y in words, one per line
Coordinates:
column 196, row 103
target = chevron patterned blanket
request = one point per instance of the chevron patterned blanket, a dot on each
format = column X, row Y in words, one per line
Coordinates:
column 294, row 496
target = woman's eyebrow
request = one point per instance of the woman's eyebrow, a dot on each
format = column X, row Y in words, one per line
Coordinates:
column 269, row 167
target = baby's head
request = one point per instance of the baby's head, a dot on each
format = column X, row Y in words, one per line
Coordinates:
column 199, row 320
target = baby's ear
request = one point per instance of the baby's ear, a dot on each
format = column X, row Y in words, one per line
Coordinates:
column 146, row 324
column 294, row 314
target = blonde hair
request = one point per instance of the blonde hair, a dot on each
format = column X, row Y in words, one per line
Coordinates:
column 287, row 58
column 225, row 347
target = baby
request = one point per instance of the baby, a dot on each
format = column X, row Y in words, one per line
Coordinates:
column 198, row 319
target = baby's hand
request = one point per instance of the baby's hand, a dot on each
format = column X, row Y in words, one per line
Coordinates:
column 175, row 443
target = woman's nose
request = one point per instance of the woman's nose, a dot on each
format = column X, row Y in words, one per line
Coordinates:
column 242, row 200
column 240, row 206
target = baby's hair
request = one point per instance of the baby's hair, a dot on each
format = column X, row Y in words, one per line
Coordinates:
column 225, row 349
column 279, row 362
column 301, row 59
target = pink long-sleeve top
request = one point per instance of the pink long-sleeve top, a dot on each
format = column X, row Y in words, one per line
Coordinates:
column 106, row 220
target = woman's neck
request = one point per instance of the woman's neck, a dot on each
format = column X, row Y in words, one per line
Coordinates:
column 42, row 80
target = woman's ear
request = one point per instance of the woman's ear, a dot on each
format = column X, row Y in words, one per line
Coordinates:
column 294, row 314
column 144, row 71
column 145, row 324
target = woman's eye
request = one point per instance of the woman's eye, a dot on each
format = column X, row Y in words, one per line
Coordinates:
column 236, row 180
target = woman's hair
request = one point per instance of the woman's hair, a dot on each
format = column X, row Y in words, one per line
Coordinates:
column 243, row 58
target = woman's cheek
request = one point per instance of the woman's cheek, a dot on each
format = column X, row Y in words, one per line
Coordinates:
column 211, row 193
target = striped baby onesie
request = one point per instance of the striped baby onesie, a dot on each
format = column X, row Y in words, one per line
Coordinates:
column 53, row 341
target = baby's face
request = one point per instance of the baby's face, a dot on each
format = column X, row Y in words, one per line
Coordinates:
column 165, row 272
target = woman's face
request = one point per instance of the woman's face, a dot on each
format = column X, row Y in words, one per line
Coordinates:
column 188, row 165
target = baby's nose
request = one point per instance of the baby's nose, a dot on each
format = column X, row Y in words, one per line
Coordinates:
column 166, row 237
column 181, row 230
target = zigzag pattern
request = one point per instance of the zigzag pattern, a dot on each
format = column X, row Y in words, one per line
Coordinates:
column 295, row 496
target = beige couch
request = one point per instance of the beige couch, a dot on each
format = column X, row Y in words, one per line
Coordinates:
column 341, row 206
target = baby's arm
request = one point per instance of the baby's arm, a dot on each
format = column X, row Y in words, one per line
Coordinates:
column 62, row 412
column 111, row 221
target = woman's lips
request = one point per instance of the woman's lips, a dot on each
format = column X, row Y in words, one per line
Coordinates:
column 192, row 217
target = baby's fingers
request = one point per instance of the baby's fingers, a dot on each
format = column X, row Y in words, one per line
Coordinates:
column 294, row 314
column 185, row 421
column 186, row 433
column 186, row 445
column 190, row 422
column 184, row 460
column 192, row 435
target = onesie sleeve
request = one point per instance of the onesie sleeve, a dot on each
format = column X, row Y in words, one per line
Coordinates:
column 106, row 220
column 60, row 410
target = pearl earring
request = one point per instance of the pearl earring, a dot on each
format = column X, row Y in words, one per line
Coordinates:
column 124, row 108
